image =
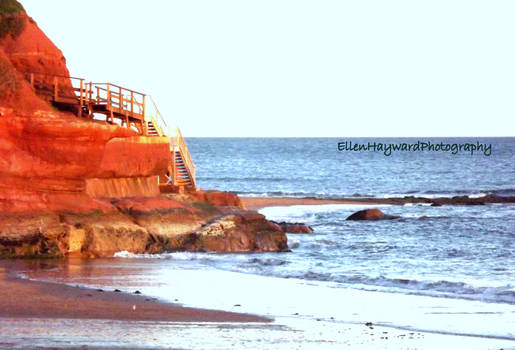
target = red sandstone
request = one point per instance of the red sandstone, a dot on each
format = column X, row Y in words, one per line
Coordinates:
column 74, row 186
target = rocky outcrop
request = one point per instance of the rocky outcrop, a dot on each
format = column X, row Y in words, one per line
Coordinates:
column 293, row 227
column 237, row 232
column 219, row 198
column 371, row 214
column 57, row 235
column 139, row 225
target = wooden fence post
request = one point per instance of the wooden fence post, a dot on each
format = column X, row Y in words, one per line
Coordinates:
column 56, row 88
column 81, row 97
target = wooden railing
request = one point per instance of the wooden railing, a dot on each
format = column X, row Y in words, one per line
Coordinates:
column 112, row 97
column 116, row 98
column 183, row 148
column 55, row 86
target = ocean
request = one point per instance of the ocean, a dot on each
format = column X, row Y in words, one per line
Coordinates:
column 446, row 269
column 303, row 167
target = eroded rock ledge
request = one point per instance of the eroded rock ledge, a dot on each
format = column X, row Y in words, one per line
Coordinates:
column 166, row 223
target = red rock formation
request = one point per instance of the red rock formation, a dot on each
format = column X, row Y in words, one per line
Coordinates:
column 61, row 176
column 219, row 198
column 48, row 156
column 139, row 225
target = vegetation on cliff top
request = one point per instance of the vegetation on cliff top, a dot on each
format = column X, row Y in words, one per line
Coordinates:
column 10, row 7
column 10, row 21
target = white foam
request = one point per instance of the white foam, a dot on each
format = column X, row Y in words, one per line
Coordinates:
column 477, row 195
column 172, row 256
column 293, row 242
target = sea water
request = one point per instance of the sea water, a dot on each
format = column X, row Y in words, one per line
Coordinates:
column 448, row 269
column 300, row 167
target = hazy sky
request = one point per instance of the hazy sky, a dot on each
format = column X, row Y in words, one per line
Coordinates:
column 300, row 68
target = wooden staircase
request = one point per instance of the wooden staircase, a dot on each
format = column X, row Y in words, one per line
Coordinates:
column 182, row 166
column 182, row 177
column 151, row 129
column 125, row 105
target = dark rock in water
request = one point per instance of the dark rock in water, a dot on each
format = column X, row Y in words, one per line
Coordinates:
column 371, row 214
column 466, row 200
column 436, row 204
column 293, row 227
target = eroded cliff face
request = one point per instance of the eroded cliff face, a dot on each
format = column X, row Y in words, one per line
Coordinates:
column 73, row 186
column 48, row 157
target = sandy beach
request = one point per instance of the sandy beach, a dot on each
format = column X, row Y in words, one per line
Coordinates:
column 34, row 299
column 45, row 315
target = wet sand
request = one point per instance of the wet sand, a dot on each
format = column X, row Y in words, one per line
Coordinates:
column 255, row 203
column 34, row 299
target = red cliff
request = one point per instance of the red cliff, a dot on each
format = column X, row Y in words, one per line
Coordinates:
column 63, row 179
column 48, row 156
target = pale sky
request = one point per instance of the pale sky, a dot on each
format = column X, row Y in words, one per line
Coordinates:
column 300, row 68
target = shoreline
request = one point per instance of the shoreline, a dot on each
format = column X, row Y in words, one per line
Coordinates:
column 256, row 203
column 24, row 298
column 186, row 327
